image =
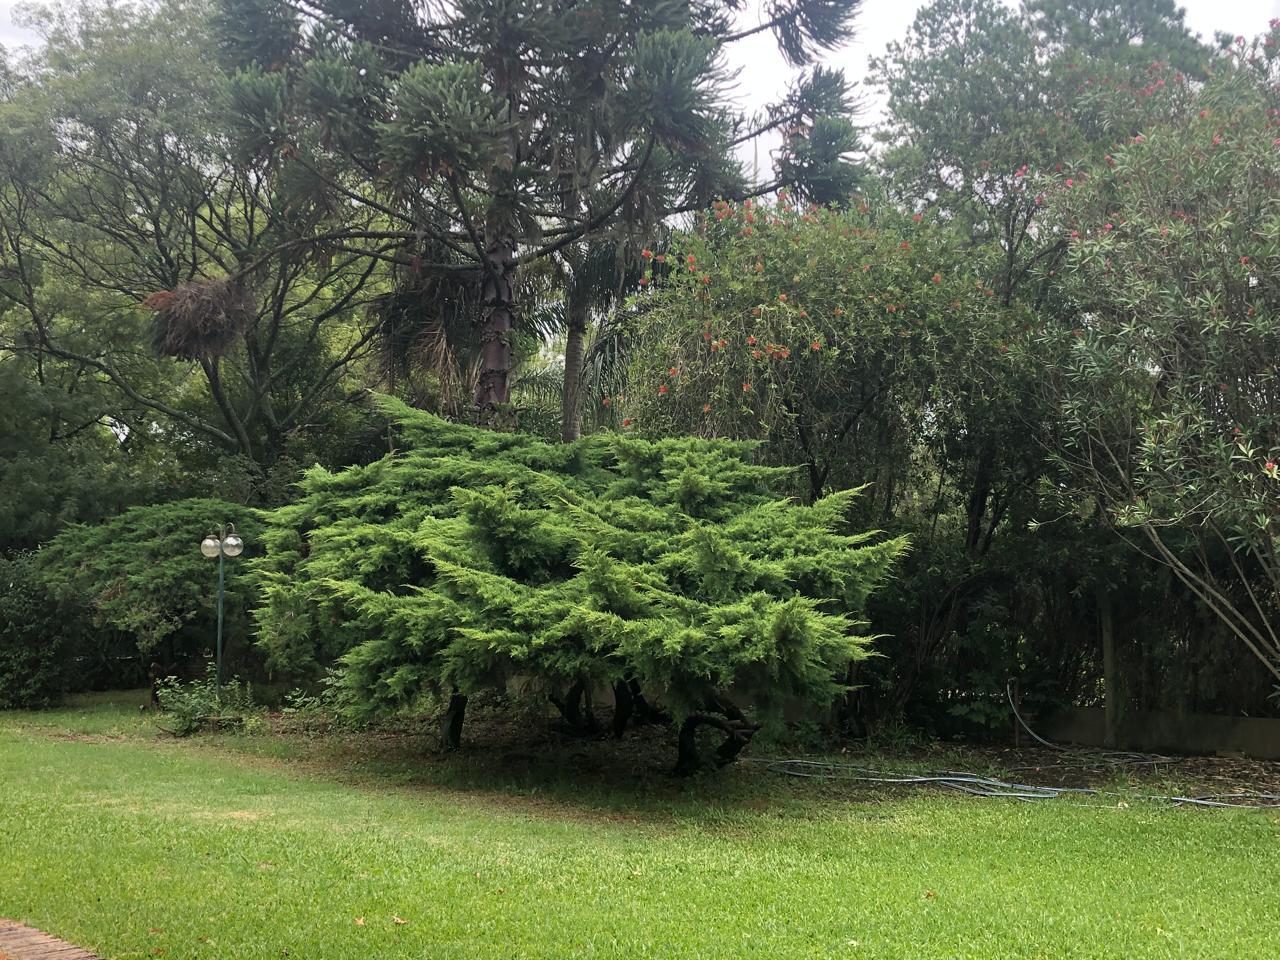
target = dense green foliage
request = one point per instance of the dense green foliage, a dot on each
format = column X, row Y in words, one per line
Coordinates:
column 470, row 558
column 1034, row 329
column 37, row 639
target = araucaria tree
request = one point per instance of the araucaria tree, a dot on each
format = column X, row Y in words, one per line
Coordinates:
column 489, row 134
column 664, row 568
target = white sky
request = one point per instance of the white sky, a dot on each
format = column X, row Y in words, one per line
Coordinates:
column 763, row 74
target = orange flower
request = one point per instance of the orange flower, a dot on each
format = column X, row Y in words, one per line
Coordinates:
column 755, row 311
column 782, row 298
column 607, row 401
column 626, row 422
column 751, row 341
column 937, row 278
column 706, row 408
column 815, row 345
column 756, row 353
column 673, row 372
column 746, row 388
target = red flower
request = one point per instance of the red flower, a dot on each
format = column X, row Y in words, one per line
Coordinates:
column 815, row 345
column 691, row 259
column 905, row 245
column 662, row 389
column 607, row 401
column 751, row 341
column 756, row 353
column 1269, row 466
column 917, row 218
column 937, row 278
column 1070, row 182
column 673, row 372
column 661, row 258
column 646, row 253
column 644, row 281
column 706, row 336
column 626, row 422
column 782, row 298
column 746, row 387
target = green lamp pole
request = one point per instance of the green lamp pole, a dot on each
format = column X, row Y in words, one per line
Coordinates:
column 222, row 543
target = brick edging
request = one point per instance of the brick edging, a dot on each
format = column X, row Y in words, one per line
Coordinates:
column 26, row 943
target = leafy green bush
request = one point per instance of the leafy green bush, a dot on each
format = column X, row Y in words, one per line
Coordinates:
column 142, row 573
column 203, row 704
column 668, row 567
column 37, row 638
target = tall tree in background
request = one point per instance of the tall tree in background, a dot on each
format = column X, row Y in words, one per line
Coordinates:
column 490, row 134
column 136, row 245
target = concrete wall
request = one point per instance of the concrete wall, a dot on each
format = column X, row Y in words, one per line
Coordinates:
column 1193, row 733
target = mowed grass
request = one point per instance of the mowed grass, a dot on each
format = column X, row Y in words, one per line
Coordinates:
column 137, row 846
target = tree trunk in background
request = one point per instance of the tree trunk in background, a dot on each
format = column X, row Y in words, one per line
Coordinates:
column 1110, row 681
column 498, row 296
column 571, row 394
column 451, row 723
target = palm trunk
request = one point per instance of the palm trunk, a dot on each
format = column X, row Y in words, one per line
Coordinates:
column 498, row 295
column 571, row 393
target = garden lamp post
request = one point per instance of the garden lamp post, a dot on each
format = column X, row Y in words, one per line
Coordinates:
column 222, row 543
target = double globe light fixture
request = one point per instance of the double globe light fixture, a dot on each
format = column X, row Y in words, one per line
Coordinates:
column 222, row 543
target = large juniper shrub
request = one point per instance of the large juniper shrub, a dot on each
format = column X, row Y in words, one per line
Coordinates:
column 666, row 568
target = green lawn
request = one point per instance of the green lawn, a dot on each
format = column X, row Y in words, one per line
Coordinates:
column 240, row 847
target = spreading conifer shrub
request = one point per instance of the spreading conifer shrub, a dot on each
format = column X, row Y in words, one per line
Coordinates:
column 662, row 568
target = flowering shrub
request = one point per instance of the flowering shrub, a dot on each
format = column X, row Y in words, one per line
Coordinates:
column 472, row 557
column 821, row 331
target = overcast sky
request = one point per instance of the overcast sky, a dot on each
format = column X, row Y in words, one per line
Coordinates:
column 762, row 73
